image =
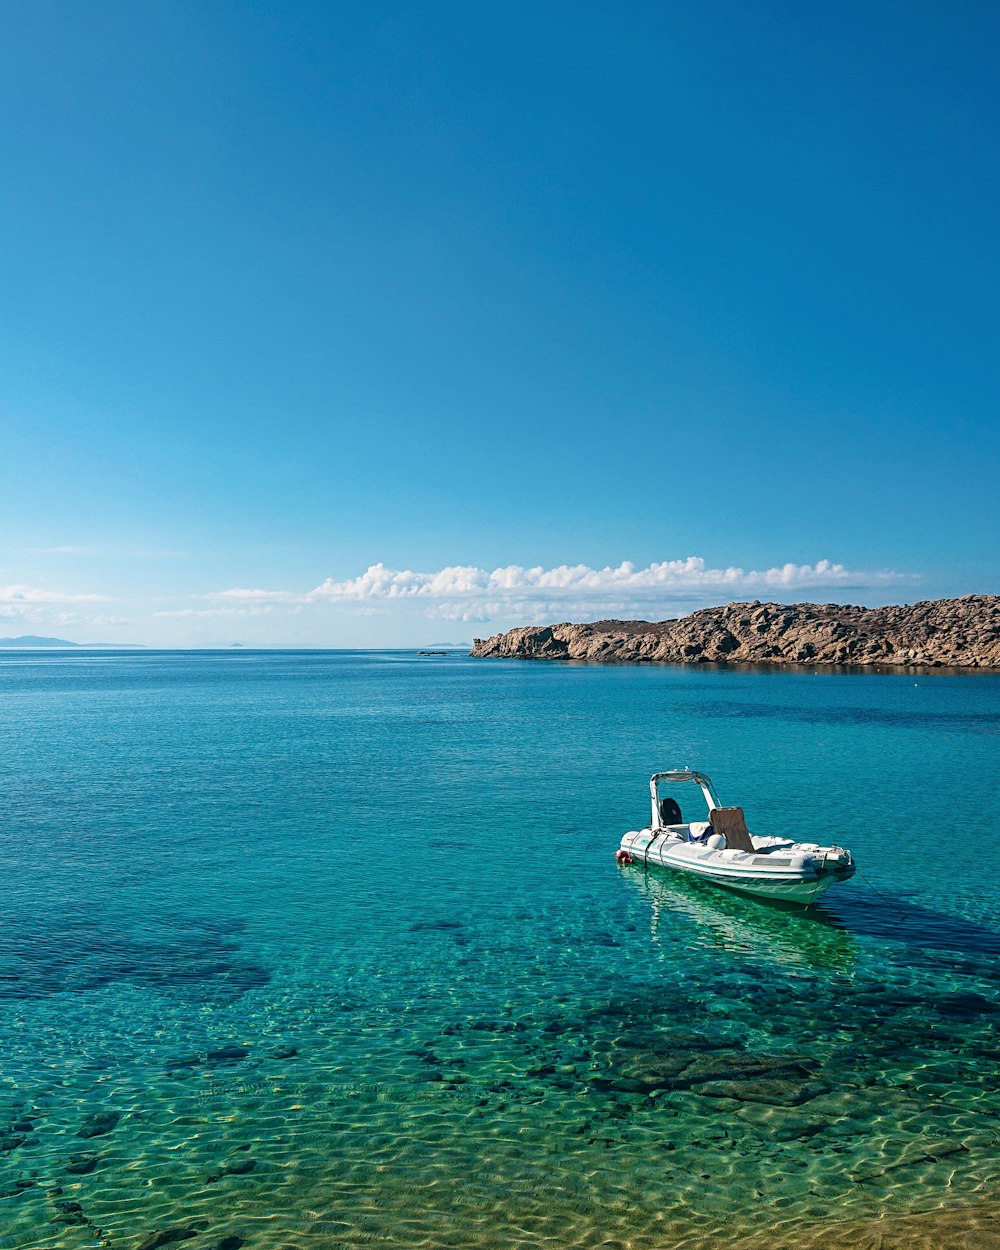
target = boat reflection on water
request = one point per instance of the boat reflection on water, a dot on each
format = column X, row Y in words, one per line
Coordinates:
column 828, row 936
column 773, row 932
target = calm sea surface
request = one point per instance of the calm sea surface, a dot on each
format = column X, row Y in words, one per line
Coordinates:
column 327, row 950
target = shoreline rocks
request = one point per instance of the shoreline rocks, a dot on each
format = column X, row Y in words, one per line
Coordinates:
column 936, row 633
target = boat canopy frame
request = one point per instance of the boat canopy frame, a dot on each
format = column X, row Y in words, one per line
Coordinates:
column 677, row 776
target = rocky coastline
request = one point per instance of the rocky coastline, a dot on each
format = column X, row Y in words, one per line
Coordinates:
column 952, row 633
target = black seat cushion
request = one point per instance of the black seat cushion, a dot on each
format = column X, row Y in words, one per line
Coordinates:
column 670, row 813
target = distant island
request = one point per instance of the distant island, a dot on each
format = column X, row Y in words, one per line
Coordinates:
column 32, row 642
column 954, row 633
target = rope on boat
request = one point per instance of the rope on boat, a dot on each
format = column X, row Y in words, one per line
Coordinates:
column 895, row 906
column 819, row 882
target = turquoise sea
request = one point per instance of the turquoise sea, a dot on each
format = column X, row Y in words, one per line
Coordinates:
column 323, row 950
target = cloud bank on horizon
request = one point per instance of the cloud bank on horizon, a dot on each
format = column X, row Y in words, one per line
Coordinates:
column 472, row 594
column 36, row 605
column 502, row 596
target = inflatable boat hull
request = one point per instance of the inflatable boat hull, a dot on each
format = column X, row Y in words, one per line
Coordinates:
column 795, row 873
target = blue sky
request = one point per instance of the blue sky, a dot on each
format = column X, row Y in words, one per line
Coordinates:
column 387, row 323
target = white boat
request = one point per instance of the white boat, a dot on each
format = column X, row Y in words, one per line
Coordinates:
column 723, row 851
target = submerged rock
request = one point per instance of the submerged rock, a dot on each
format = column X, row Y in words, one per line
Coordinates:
column 69, row 1213
column 58, row 956
column 965, row 1006
column 227, row 1054
column 17, row 1186
column 98, row 1124
column 81, row 1165
column 166, row 1237
column 775, row 1091
column 780, row 1080
column 240, row 1167
column 236, row 1167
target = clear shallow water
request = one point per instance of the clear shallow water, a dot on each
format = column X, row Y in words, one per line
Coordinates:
column 329, row 950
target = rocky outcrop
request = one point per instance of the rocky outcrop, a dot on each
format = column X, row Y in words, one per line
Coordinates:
column 959, row 633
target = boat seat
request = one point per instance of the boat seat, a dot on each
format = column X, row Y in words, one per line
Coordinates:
column 731, row 823
column 670, row 813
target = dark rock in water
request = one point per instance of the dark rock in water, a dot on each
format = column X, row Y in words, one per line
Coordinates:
column 11, row 1141
column 81, row 1165
column 240, row 1167
column 776, row 1079
column 654, row 1071
column 237, row 1167
column 227, row 1054
column 982, row 1052
column 98, row 1124
column 69, row 1213
column 623, row 1085
column 56, row 956
column 883, row 1001
column 17, row 1186
column 673, row 1042
column 166, row 1237
column 187, row 1061
column 431, row 925
column 284, row 1052
column 22, row 1126
column 232, row 1242
column 737, row 1066
column 777, row 1093
column 797, row 1131
column 965, row 1006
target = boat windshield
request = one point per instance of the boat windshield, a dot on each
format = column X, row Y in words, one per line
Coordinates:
column 664, row 789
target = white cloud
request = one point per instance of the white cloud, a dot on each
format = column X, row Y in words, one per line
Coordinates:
column 239, row 595
column 472, row 594
column 31, row 595
column 34, row 606
column 59, row 551
column 515, row 582
column 233, row 609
